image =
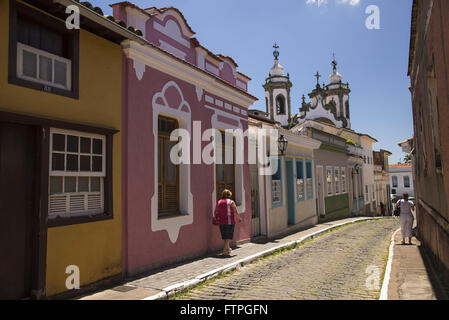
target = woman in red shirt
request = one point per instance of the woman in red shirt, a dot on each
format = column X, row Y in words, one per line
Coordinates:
column 227, row 213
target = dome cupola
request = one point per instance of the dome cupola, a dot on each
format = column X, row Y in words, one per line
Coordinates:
column 335, row 77
column 277, row 69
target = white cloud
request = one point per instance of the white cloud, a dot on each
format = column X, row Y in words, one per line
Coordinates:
column 320, row 3
column 350, row 2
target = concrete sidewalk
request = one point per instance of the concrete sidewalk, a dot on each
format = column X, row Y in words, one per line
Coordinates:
column 412, row 276
column 166, row 282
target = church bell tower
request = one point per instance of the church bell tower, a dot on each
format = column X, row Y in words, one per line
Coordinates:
column 277, row 92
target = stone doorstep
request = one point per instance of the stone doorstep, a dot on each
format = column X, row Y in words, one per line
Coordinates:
column 182, row 286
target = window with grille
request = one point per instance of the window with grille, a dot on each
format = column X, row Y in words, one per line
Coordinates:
column 77, row 173
column 394, row 181
column 300, row 179
column 406, row 182
column 44, row 54
column 43, row 67
column 225, row 164
column 343, row 180
column 276, row 185
column 337, row 181
column 309, row 177
column 329, row 181
column 168, row 172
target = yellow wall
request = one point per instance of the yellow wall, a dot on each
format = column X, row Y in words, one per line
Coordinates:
column 94, row 247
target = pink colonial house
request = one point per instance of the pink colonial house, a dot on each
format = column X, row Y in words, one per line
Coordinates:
column 172, row 82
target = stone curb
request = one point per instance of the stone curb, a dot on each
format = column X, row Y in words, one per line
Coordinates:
column 386, row 280
column 182, row 286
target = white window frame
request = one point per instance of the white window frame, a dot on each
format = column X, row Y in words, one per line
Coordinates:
column 397, row 181
column 276, row 187
column 331, row 181
column 409, row 182
column 79, row 174
column 343, row 181
column 337, row 180
column 300, row 182
column 37, row 52
column 81, row 135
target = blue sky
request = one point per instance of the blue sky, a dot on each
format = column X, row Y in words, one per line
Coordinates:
column 374, row 62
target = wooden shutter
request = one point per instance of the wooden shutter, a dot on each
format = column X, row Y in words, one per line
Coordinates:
column 168, row 173
column 225, row 173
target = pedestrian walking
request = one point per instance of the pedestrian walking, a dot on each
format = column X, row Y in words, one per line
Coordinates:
column 382, row 209
column 228, row 214
column 406, row 218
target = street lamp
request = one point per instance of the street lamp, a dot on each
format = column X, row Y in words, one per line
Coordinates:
column 282, row 144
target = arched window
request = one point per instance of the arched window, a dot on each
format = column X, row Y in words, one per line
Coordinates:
column 280, row 104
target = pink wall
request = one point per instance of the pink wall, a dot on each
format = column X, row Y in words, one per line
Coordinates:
column 154, row 36
column 143, row 247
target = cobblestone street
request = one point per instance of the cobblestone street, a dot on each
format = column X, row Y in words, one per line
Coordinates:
column 337, row 265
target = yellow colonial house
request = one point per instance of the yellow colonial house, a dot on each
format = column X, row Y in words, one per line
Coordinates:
column 60, row 148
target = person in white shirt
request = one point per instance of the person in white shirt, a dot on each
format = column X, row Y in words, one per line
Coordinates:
column 406, row 218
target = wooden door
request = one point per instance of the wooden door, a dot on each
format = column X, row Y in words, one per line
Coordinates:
column 17, row 183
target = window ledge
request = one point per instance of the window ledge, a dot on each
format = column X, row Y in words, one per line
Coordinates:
column 80, row 219
column 174, row 215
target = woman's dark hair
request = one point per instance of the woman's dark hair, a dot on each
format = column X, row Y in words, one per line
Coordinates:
column 405, row 196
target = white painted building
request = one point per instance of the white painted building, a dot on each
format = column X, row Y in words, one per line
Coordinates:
column 369, row 187
column 401, row 179
column 283, row 193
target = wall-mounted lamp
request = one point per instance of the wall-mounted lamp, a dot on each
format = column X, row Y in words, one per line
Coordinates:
column 282, row 145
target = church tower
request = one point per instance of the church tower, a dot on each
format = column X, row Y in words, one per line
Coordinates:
column 329, row 103
column 277, row 92
column 339, row 93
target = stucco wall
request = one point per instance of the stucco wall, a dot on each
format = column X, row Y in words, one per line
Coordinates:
column 305, row 211
column 336, row 205
column 401, row 189
column 94, row 247
column 431, row 184
column 151, row 241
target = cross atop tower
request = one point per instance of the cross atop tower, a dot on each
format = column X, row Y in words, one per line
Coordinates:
column 334, row 62
column 276, row 52
column 317, row 76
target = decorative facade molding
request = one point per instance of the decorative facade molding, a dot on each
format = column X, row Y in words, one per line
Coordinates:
column 155, row 58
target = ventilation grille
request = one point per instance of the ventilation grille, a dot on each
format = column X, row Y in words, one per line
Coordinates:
column 57, row 205
column 94, row 202
column 75, row 204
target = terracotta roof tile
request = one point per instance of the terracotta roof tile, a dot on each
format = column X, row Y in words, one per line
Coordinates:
column 402, row 165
